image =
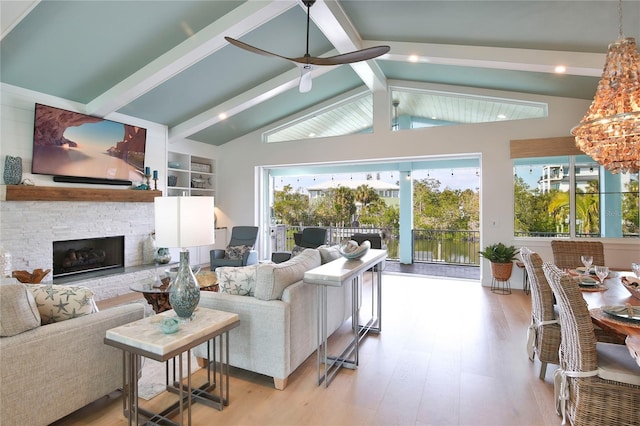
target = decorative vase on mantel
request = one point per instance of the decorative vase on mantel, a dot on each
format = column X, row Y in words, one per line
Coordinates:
column 12, row 170
column 5, row 263
column 184, row 291
column 162, row 255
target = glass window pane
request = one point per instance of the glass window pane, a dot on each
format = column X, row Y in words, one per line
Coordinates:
column 541, row 195
column 619, row 211
column 606, row 204
column 415, row 108
column 630, row 205
column 350, row 116
column 587, row 190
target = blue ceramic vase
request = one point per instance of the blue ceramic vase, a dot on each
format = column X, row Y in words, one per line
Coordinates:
column 184, row 292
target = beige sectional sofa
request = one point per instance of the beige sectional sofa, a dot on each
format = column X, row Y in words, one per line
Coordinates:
column 49, row 371
column 278, row 313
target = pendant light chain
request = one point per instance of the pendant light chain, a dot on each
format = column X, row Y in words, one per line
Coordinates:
column 620, row 19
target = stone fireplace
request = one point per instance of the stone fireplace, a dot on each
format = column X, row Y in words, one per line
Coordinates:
column 29, row 228
column 88, row 256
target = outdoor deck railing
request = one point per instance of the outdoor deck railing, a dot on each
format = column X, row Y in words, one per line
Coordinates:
column 429, row 246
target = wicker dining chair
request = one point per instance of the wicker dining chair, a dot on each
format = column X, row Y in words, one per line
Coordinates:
column 596, row 383
column 566, row 254
column 544, row 331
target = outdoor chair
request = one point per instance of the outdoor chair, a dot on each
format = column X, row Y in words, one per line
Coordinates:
column 239, row 251
column 374, row 238
column 311, row 237
column 376, row 243
column 544, row 331
column 597, row 383
column 566, row 254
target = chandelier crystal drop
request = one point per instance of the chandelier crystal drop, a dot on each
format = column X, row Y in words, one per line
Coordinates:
column 610, row 131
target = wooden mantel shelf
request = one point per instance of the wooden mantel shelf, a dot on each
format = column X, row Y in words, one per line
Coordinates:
column 59, row 193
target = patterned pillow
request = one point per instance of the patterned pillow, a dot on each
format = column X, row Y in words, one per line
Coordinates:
column 240, row 280
column 236, row 252
column 62, row 302
column 297, row 250
column 19, row 311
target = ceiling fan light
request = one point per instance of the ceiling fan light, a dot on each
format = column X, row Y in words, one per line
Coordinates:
column 305, row 79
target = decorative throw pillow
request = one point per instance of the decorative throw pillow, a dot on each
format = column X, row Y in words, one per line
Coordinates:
column 236, row 252
column 274, row 278
column 240, row 280
column 62, row 302
column 329, row 253
column 19, row 310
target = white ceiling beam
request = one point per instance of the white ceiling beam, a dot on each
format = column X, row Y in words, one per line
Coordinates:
column 334, row 23
column 12, row 12
column 261, row 93
column 576, row 63
column 236, row 23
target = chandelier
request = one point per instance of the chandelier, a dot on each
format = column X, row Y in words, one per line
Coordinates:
column 610, row 131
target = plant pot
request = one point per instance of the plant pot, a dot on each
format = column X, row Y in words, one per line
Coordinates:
column 501, row 271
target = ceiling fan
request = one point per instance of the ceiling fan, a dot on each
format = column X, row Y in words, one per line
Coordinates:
column 307, row 61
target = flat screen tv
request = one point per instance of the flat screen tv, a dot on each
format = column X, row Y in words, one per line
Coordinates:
column 76, row 147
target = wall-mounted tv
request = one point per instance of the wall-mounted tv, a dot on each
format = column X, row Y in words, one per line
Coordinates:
column 76, row 147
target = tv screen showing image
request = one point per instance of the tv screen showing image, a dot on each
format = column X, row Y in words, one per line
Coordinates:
column 71, row 144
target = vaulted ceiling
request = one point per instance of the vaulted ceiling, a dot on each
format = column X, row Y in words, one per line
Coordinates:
column 168, row 62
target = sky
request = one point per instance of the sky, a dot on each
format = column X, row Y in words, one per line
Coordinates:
column 462, row 178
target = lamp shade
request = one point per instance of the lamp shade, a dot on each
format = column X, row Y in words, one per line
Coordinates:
column 184, row 221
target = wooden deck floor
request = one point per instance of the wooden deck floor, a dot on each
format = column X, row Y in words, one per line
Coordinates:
column 434, row 269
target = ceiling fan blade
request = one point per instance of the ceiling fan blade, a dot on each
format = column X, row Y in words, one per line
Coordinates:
column 253, row 49
column 345, row 58
column 305, row 79
column 308, row 60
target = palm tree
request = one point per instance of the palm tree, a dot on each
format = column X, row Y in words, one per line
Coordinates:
column 364, row 194
column 587, row 209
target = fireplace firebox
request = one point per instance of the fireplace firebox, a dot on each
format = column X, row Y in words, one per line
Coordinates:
column 84, row 256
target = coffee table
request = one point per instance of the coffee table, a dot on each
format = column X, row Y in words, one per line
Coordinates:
column 145, row 338
column 158, row 297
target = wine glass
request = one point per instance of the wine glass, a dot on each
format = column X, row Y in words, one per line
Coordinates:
column 586, row 261
column 602, row 272
column 635, row 267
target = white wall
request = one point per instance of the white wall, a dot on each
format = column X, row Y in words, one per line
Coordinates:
column 237, row 173
column 27, row 229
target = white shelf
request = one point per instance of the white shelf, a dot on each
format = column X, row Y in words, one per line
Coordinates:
column 194, row 175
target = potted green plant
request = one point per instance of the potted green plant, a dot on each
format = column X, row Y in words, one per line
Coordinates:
column 501, row 257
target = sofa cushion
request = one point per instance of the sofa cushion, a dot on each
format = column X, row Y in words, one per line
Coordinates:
column 240, row 280
column 274, row 278
column 329, row 253
column 62, row 302
column 236, row 252
column 18, row 310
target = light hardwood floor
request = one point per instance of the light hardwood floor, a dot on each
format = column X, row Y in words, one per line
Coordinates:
column 450, row 353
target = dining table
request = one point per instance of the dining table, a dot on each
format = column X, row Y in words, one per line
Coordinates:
column 614, row 293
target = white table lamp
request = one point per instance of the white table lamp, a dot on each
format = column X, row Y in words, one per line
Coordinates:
column 184, row 222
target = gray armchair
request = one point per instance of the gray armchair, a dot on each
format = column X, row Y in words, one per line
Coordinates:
column 239, row 251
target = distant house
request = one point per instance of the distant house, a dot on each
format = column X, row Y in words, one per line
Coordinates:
column 389, row 192
column 556, row 177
